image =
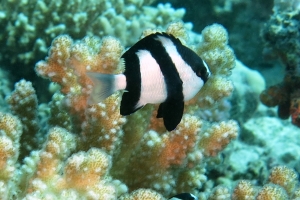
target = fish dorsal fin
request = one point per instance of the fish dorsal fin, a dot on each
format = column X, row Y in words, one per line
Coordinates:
column 171, row 111
column 104, row 86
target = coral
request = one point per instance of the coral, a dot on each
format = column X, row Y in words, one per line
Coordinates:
column 248, row 84
column 281, row 185
column 285, row 177
column 72, row 77
column 93, row 152
column 281, row 36
column 296, row 195
column 240, row 18
column 23, row 103
column 262, row 134
column 217, row 136
column 81, row 176
column 244, row 190
column 142, row 194
column 28, row 27
column 280, row 5
column 57, row 148
column 10, row 133
column 59, row 116
column 270, row 191
column 105, row 120
column 67, row 66
column 166, row 154
column 24, row 97
column 210, row 103
column 220, row 193
column 221, row 60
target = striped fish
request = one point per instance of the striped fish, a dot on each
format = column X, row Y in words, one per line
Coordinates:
column 159, row 69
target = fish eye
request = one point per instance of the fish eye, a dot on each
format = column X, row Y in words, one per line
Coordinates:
column 200, row 73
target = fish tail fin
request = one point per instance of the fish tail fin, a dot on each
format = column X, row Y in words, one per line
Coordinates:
column 104, row 86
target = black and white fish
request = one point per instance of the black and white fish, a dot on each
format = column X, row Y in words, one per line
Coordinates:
column 184, row 196
column 159, row 69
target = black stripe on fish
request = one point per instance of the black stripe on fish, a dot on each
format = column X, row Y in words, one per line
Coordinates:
column 174, row 96
column 172, row 109
column 133, row 82
column 192, row 59
column 158, row 69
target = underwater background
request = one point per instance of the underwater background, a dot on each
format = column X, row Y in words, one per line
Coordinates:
column 238, row 138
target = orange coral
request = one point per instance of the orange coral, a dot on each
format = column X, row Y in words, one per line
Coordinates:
column 270, row 191
column 244, row 190
column 144, row 155
column 179, row 142
column 284, row 177
column 24, row 104
column 142, row 194
column 68, row 63
column 103, row 126
column 218, row 136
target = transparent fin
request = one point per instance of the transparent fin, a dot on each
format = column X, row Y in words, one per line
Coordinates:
column 104, row 86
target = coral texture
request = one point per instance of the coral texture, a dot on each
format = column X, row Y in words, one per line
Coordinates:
column 71, row 147
column 92, row 152
column 283, row 184
column 281, row 35
column 28, row 27
column 24, row 104
column 10, row 134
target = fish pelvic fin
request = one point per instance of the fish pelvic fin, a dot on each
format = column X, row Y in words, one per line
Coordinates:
column 171, row 111
column 104, row 86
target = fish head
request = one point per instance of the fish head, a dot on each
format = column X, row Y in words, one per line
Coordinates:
column 202, row 70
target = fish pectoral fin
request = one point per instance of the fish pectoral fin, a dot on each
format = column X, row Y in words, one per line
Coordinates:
column 171, row 112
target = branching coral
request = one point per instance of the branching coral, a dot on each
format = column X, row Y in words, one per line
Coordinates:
column 23, row 103
column 10, row 133
column 284, row 177
column 282, row 184
column 81, row 176
column 113, row 154
column 220, row 58
column 270, row 191
column 28, row 27
column 244, row 190
column 142, row 194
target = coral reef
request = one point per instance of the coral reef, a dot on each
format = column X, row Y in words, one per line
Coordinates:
column 10, row 134
column 28, row 27
column 23, row 103
column 72, row 148
column 281, row 185
column 240, row 17
column 281, row 36
column 91, row 152
column 248, row 84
